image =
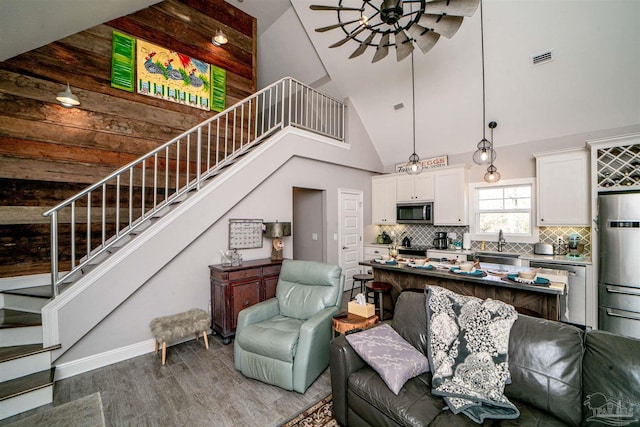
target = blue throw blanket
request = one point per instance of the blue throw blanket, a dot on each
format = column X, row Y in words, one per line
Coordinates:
column 467, row 345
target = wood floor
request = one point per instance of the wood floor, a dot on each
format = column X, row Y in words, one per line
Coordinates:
column 197, row 387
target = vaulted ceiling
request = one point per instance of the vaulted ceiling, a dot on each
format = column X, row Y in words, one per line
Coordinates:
column 592, row 84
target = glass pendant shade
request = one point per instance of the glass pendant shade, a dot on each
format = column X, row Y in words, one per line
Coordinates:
column 492, row 175
column 485, row 154
column 415, row 165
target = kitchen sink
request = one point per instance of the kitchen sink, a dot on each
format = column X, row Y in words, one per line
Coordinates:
column 498, row 258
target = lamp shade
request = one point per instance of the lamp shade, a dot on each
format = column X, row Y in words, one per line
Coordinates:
column 277, row 229
column 67, row 99
column 220, row 38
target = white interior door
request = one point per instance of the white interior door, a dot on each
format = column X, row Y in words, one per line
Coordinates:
column 350, row 233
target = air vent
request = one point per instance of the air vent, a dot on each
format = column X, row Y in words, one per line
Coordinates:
column 542, row 58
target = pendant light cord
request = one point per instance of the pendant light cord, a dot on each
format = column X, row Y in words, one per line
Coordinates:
column 484, row 119
column 413, row 103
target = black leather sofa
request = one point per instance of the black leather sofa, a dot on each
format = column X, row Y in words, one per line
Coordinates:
column 561, row 376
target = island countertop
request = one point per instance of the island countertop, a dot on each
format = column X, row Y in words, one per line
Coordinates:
column 534, row 300
column 555, row 288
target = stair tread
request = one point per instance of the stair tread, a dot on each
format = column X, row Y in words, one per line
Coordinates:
column 18, row 386
column 16, row 319
column 35, row 291
column 17, row 351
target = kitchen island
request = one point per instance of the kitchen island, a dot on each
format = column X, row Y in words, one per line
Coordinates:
column 534, row 300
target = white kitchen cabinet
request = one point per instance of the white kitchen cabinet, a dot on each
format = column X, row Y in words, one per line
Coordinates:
column 450, row 196
column 383, row 199
column 414, row 188
column 375, row 251
column 449, row 255
column 563, row 188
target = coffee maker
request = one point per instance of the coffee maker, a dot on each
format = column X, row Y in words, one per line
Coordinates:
column 441, row 241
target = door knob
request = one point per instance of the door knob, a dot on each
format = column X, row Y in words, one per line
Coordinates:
column 345, row 247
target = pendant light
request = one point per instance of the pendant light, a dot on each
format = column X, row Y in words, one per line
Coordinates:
column 67, row 99
column 492, row 174
column 415, row 165
column 485, row 154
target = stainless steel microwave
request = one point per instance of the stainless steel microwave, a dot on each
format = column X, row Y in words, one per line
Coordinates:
column 414, row 213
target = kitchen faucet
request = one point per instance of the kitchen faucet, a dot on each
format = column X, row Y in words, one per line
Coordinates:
column 501, row 241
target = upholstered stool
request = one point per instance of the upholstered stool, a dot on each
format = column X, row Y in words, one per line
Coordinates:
column 179, row 325
column 362, row 278
column 379, row 289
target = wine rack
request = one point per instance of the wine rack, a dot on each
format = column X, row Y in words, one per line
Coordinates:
column 618, row 168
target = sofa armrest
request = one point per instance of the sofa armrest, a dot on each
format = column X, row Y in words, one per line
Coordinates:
column 343, row 361
column 257, row 313
column 312, row 354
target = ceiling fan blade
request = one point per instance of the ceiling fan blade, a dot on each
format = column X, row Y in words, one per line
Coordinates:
column 322, row 7
column 383, row 48
column 363, row 46
column 334, row 26
column 424, row 38
column 452, row 7
column 349, row 37
column 404, row 46
column 444, row 25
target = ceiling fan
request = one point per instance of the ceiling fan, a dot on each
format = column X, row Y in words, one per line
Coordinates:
column 399, row 23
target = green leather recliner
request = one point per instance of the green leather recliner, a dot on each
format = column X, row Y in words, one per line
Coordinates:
column 284, row 341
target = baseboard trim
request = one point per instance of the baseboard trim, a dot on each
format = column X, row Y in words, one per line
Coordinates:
column 100, row 360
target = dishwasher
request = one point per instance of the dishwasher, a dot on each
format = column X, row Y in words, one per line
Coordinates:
column 576, row 291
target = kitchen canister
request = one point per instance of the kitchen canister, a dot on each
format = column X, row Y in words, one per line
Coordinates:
column 466, row 241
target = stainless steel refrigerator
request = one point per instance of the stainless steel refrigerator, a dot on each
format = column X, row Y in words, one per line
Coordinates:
column 619, row 263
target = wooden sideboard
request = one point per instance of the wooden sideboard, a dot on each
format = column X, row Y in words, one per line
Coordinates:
column 236, row 288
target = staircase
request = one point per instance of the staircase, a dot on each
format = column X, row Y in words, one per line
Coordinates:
column 26, row 375
column 95, row 233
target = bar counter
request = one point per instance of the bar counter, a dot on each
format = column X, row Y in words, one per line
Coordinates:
column 533, row 300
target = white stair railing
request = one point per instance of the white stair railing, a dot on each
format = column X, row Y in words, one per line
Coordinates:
column 88, row 224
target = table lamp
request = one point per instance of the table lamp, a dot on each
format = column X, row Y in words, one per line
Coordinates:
column 276, row 231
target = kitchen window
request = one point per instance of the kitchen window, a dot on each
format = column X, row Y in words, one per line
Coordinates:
column 508, row 207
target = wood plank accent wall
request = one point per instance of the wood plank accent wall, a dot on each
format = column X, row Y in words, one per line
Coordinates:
column 48, row 153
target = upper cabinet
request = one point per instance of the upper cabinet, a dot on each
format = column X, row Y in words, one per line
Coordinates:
column 563, row 187
column 615, row 163
column 450, row 195
column 414, row 188
column 383, row 199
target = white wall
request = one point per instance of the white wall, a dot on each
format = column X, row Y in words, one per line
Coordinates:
column 184, row 282
column 517, row 161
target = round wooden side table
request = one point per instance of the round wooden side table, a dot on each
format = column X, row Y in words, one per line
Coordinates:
column 351, row 322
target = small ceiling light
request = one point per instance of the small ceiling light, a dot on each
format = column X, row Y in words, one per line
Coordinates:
column 68, row 99
column 220, row 38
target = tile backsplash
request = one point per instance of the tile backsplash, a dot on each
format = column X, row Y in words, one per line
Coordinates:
column 423, row 235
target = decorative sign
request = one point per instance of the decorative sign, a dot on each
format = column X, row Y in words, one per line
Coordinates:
column 163, row 73
column 434, row 162
column 245, row 233
column 219, row 90
column 123, row 61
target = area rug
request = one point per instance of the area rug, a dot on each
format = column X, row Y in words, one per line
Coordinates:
column 83, row 412
column 317, row 415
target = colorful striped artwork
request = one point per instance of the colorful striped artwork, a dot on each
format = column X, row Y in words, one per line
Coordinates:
column 169, row 75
